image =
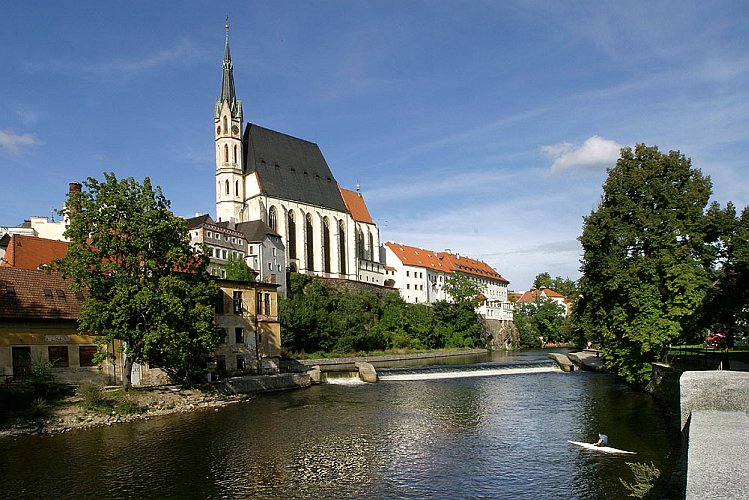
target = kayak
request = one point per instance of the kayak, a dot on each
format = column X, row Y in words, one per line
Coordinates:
column 602, row 449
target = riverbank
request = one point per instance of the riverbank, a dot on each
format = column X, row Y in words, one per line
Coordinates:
column 144, row 403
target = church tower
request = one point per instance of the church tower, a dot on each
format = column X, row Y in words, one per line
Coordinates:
column 229, row 169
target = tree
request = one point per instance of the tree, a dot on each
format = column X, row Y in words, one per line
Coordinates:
column 147, row 287
column 543, row 280
column 461, row 289
column 647, row 259
column 238, row 270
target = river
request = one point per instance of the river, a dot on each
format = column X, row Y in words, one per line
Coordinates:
column 429, row 433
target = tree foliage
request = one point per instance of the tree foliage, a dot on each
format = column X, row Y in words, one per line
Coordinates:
column 238, row 270
column 541, row 319
column 146, row 285
column 648, row 259
column 320, row 318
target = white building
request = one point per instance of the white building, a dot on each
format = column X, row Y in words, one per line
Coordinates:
column 420, row 275
column 285, row 182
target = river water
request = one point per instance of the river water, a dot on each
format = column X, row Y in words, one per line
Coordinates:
column 452, row 432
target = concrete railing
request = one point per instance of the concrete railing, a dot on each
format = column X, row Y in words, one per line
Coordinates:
column 715, row 421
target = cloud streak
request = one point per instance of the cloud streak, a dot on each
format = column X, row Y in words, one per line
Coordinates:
column 13, row 143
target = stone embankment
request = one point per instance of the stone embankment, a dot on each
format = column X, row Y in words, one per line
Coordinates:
column 349, row 364
column 715, row 426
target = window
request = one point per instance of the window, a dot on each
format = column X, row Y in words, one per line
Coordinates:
column 86, row 355
column 235, row 161
column 223, row 335
column 218, row 304
column 325, row 245
column 408, row 286
column 270, row 266
column 309, row 242
column 292, row 236
column 226, row 127
column 223, row 254
column 342, row 247
column 236, row 183
column 407, row 274
column 274, row 251
column 226, row 160
column 239, row 336
column 240, row 362
column 273, row 218
column 227, row 187
column 58, row 355
column 237, row 301
column 208, row 234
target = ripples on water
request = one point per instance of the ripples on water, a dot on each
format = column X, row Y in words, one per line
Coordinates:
column 498, row 435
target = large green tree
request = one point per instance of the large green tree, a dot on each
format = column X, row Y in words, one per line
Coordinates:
column 647, row 261
column 146, row 286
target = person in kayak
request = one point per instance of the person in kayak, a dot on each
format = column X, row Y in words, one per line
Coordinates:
column 603, row 440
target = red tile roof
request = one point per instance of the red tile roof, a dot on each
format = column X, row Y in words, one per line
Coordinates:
column 356, row 206
column 533, row 295
column 443, row 261
column 30, row 252
column 32, row 294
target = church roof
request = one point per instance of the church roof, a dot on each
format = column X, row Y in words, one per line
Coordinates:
column 356, row 206
column 290, row 168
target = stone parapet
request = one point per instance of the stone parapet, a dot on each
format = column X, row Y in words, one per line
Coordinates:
column 713, row 390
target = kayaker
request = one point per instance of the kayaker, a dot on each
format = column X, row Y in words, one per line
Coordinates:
column 603, row 440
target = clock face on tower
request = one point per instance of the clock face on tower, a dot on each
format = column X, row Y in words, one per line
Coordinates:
column 234, row 130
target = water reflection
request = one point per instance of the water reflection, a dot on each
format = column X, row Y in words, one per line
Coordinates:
column 501, row 436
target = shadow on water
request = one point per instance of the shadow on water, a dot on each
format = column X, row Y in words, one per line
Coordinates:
column 502, row 435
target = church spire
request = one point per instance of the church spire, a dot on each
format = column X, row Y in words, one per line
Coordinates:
column 227, row 81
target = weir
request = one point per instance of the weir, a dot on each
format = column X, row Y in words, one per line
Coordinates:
column 466, row 371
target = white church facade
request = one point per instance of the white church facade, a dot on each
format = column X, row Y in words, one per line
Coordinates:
column 285, row 182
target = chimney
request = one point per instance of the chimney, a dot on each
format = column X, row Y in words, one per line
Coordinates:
column 272, row 278
column 75, row 187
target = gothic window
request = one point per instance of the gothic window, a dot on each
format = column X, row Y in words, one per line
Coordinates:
column 226, row 127
column 342, row 246
column 272, row 221
column 371, row 246
column 309, row 243
column 292, row 236
column 236, row 188
column 326, row 245
column 226, row 153
column 235, row 154
column 359, row 243
column 226, row 187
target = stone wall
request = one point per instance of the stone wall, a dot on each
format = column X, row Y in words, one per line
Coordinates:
column 499, row 334
column 357, row 286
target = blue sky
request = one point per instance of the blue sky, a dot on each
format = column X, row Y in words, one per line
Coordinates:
column 485, row 127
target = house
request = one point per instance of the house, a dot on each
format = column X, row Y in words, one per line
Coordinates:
column 531, row 296
column 39, row 322
column 420, row 275
column 247, row 313
column 221, row 241
column 285, row 182
column 265, row 253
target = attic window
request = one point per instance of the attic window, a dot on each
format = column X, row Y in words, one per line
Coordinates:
column 305, row 172
column 262, row 161
column 329, row 179
column 79, row 295
column 10, row 289
column 48, row 293
column 293, row 169
column 277, row 165
column 60, row 293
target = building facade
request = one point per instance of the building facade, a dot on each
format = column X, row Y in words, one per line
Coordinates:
column 420, row 276
column 285, row 182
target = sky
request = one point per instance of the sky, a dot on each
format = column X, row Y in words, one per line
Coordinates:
column 483, row 127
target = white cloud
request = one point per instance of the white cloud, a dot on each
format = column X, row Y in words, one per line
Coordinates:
column 596, row 153
column 11, row 143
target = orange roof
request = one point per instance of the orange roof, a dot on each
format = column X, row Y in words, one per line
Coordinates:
column 356, row 206
column 443, row 261
column 471, row 266
column 30, row 252
column 533, row 295
column 413, row 256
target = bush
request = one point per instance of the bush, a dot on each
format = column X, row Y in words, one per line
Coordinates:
column 42, row 379
column 93, row 397
column 645, row 477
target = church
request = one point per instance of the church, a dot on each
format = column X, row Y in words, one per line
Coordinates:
column 285, row 182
